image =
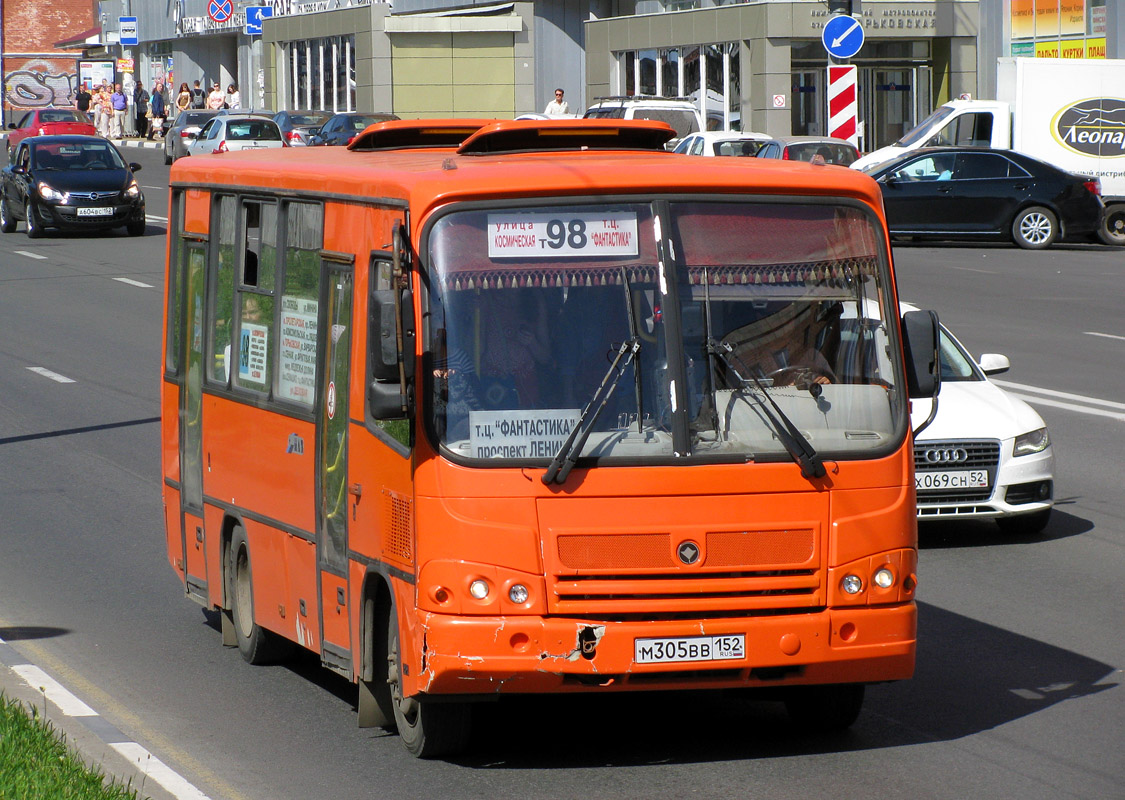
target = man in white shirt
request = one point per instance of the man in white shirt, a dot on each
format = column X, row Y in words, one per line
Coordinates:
column 558, row 105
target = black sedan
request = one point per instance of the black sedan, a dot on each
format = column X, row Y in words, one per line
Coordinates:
column 342, row 128
column 981, row 193
column 70, row 183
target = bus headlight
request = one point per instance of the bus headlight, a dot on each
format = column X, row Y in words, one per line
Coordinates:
column 518, row 594
column 884, row 578
column 478, row 589
column 1034, row 442
column 852, row 584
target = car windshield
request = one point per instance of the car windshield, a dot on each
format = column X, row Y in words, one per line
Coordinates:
column 737, row 147
column 60, row 115
column 696, row 316
column 194, row 117
column 922, row 129
column 831, row 152
column 307, row 119
column 94, row 154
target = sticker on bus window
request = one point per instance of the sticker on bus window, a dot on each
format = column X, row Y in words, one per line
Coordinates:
column 520, row 434
column 586, row 234
column 296, row 366
column 253, row 352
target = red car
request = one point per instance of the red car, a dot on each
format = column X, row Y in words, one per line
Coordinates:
column 49, row 122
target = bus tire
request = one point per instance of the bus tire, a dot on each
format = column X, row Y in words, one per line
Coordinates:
column 255, row 643
column 427, row 729
column 824, row 709
column 1035, row 228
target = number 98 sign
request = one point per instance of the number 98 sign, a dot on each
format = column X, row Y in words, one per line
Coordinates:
column 561, row 235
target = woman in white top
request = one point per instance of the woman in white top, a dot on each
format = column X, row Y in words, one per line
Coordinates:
column 234, row 99
column 216, row 99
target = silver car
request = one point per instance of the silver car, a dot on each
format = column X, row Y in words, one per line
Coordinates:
column 228, row 132
column 178, row 137
column 298, row 126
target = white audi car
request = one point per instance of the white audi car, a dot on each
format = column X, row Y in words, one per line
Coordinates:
column 987, row 454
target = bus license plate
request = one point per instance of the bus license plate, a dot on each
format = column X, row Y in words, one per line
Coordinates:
column 960, row 479
column 666, row 650
column 96, row 211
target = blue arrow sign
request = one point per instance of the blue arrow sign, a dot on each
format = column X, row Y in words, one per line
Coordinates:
column 842, row 36
column 254, row 17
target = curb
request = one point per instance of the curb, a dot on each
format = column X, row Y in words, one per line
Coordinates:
column 95, row 740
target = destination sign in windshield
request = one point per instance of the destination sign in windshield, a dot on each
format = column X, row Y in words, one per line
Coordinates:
column 583, row 234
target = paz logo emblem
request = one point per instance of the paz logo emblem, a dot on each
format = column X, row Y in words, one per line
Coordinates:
column 688, row 552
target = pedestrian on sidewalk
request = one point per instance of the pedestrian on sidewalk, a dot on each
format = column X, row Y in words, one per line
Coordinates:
column 198, row 97
column 120, row 104
column 234, row 99
column 183, row 99
column 558, row 105
column 83, row 98
column 140, row 109
column 217, row 99
column 103, row 111
column 159, row 111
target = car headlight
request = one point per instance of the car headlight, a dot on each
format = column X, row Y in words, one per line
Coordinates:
column 133, row 191
column 51, row 194
column 1034, row 442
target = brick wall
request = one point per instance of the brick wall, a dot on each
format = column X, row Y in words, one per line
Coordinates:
column 35, row 73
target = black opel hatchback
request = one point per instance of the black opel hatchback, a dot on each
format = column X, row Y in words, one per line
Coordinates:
column 70, row 183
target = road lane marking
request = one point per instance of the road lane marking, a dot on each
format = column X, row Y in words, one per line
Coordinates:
column 1104, row 335
column 69, row 705
column 40, row 681
column 1080, row 398
column 132, row 282
column 30, row 255
column 158, row 219
column 46, row 373
column 1071, row 402
column 154, row 768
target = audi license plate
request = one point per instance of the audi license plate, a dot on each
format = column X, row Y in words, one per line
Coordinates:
column 667, row 650
column 96, row 211
column 958, row 479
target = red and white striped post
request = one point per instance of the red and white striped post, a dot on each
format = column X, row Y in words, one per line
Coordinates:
column 843, row 107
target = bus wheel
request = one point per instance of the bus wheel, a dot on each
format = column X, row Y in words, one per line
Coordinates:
column 256, row 644
column 427, row 729
column 824, row 709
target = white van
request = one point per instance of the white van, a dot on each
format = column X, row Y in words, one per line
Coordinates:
column 679, row 112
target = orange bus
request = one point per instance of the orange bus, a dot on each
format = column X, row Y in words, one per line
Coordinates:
column 475, row 408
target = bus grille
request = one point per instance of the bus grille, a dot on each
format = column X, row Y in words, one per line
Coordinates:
column 977, row 455
column 738, row 571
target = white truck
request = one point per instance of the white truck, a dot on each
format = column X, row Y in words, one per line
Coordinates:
column 1068, row 112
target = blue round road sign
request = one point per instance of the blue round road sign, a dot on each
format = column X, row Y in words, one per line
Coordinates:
column 842, row 36
column 220, row 10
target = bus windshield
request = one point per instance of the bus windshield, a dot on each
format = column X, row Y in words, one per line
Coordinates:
column 714, row 328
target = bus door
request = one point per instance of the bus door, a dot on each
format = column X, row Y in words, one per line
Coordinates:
column 332, row 464
column 191, row 424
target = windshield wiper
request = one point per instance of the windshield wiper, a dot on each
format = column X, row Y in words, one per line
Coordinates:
column 565, row 459
column 802, row 451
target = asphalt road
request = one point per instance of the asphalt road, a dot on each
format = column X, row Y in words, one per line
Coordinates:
column 1018, row 686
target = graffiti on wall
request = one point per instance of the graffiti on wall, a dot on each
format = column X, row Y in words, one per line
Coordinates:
column 38, row 86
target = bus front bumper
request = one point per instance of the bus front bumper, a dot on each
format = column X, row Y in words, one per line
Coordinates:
column 487, row 655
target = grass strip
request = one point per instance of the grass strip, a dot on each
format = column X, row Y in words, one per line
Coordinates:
column 36, row 764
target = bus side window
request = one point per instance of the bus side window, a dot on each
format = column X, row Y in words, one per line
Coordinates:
column 255, row 340
column 220, row 306
column 300, row 297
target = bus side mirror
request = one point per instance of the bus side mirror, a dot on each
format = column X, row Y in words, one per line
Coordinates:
column 392, row 365
column 383, row 346
column 921, row 339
